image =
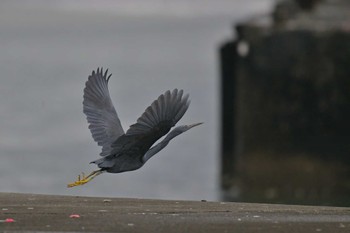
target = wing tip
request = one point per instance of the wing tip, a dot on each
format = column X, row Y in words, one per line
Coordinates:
column 99, row 73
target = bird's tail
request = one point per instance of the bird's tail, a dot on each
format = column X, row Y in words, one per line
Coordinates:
column 104, row 162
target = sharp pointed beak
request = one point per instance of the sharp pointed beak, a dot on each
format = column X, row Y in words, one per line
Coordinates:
column 193, row 125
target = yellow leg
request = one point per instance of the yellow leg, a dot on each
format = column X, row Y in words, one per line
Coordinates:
column 84, row 179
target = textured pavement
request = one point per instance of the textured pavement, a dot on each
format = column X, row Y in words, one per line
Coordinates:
column 32, row 212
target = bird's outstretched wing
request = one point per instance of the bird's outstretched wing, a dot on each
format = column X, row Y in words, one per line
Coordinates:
column 163, row 114
column 103, row 120
column 154, row 123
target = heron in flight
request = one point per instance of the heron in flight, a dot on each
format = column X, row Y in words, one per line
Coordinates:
column 129, row 151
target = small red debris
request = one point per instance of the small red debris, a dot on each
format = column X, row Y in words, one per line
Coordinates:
column 9, row 220
column 74, row 216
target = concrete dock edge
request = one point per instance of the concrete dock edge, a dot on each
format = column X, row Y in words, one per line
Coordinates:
column 34, row 212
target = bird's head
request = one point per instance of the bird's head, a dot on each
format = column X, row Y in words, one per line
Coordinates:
column 183, row 128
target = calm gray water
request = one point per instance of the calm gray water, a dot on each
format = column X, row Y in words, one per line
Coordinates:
column 48, row 49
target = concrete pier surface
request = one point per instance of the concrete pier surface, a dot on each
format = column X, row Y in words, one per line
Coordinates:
column 34, row 212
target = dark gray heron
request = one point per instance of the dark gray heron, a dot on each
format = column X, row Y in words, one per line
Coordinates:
column 129, row 151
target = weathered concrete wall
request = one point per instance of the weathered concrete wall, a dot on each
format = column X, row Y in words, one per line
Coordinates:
column 290, row 108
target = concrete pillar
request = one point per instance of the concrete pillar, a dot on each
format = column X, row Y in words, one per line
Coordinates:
column 286, row 107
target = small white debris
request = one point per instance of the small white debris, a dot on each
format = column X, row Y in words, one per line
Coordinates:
column 318, row 229
column 102, row 210
column 107, row 200
column 256, row 216
column 131, row 224
column 4, row 209
column 239, row 219
column 30, row 208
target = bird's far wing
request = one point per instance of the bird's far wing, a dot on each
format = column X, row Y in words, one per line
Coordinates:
column 158, row 118
column 103, row 120
column 163, row 114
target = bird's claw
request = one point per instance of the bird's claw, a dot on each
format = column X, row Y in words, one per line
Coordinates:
column 82, row 179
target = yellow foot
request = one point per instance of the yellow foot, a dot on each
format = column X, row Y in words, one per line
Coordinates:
column 82, row 179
